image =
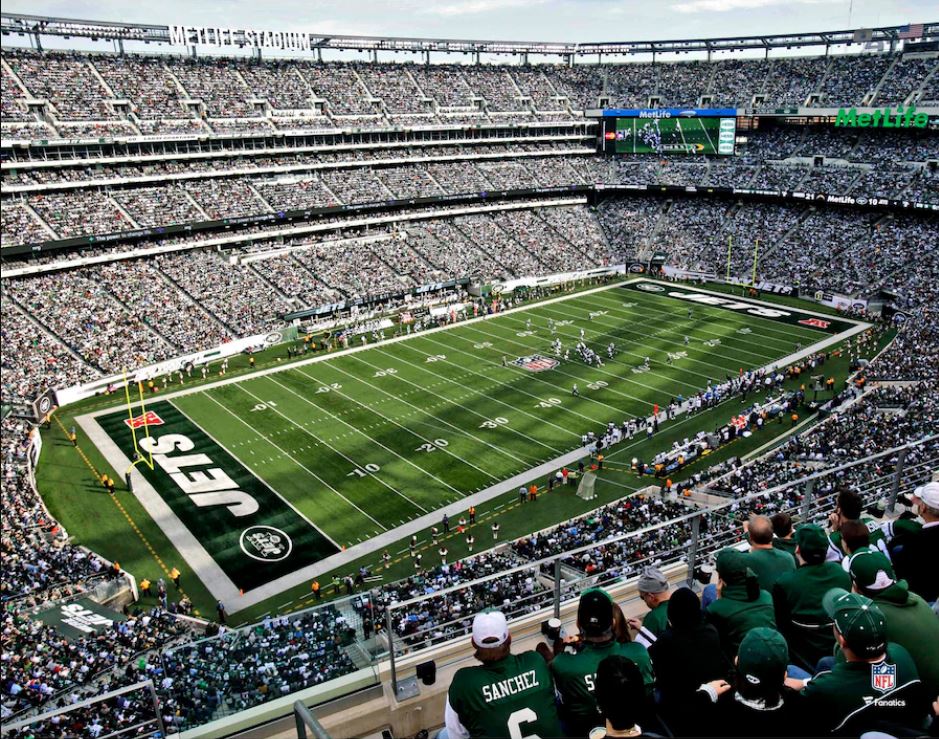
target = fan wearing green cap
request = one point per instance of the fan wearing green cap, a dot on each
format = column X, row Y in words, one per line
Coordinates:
column 876, row 686
column 575, row 668
column 741, row 604
column 910, row 621
column 759, row 703
column 798, row 595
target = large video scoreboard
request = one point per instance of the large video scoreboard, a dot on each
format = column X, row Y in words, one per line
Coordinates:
column 669, row 130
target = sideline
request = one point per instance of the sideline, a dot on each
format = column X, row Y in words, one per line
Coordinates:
column 222, row 587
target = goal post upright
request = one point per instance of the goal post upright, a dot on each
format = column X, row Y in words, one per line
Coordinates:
column 138, row 455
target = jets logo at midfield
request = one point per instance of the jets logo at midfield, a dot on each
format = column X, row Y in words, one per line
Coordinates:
column 265, row 543
column 536, row 363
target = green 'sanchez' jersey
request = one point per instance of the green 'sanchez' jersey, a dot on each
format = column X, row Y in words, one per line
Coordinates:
column 511, row 698
column 575, row 676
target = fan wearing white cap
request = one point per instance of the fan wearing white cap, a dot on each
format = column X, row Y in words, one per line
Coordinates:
column 915, row 553
column 508, row 695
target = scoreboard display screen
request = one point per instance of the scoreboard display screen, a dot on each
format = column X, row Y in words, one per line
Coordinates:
column 669, row 131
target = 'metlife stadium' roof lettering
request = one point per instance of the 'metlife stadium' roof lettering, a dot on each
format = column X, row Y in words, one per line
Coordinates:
column 255, row 38
column 886, row 118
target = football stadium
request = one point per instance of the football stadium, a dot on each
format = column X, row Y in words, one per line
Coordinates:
column 395, row 386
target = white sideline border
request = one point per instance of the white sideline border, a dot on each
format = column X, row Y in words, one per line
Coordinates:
column 221, row 586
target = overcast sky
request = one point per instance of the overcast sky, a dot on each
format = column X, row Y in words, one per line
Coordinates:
column 542, row 20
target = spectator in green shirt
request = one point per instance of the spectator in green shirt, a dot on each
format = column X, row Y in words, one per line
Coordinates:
column 654, row 592
column 874, row 687
column 741, row 603
column 575, row 668
column 797, row 598
column 910, row 621
column 766, row 561
column 784, row 534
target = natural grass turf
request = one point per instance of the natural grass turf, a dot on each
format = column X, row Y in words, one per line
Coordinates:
column 386, row 418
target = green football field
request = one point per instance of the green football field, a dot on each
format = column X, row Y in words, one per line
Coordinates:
column 267, row 479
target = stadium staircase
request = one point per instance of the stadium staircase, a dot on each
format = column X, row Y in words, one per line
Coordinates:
column 920, row 92
column 428, row 236
column 120, row 209
column 475, row 242
column 855, row 181
column 39, row 219
column 45, row 330
column 190, row 297
column 821, row 85
column 321, row 280
column 563, row 237
column 194, row 203
column 266, row 281
column 412, row 249
column 871, row 97
column 267, row 206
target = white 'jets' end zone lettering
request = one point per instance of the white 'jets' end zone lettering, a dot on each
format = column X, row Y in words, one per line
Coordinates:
column 209, row 487
column 753, row 310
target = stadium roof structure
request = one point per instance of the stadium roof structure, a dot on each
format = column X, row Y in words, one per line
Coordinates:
column 37, row 26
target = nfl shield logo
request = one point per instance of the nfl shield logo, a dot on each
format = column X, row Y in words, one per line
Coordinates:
column 536, row 363
column 883, row 677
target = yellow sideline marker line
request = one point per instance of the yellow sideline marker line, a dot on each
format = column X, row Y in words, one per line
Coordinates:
column 120, row 506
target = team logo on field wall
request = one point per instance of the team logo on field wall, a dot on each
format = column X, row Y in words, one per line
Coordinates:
column 265, row 543
column 536, row 363
column 150, row 418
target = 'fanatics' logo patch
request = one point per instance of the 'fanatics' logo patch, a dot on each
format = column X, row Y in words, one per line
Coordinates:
column 883, row 677
column 815, row 322
column 536, row 363
column 150, row 418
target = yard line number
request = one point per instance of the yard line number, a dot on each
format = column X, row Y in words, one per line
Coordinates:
column 433, row 446
column 369, row 469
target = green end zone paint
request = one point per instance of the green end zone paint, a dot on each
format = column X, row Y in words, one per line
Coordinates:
column 793, row 316
column 249, row 530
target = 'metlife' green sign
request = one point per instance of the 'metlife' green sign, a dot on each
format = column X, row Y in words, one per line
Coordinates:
column 885, row 118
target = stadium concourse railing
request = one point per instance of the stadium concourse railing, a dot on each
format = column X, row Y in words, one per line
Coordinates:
column 434, row 624
column 695, row 539
column 137, row 704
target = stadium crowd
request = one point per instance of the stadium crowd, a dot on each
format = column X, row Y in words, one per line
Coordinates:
column 75, row 323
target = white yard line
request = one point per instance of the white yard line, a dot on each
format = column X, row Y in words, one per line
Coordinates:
column 354, row 464
column 296, row 461
column 259, row 477
column 453, row 402
column 485, row 394
column 355, row 349
column 530, row 348
column 765, row 325
column 535, row 376
column 209, row 571
column 189, row 547
column 367, row 436
column 505, row 384
column 460, row 431
column 661, row 329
